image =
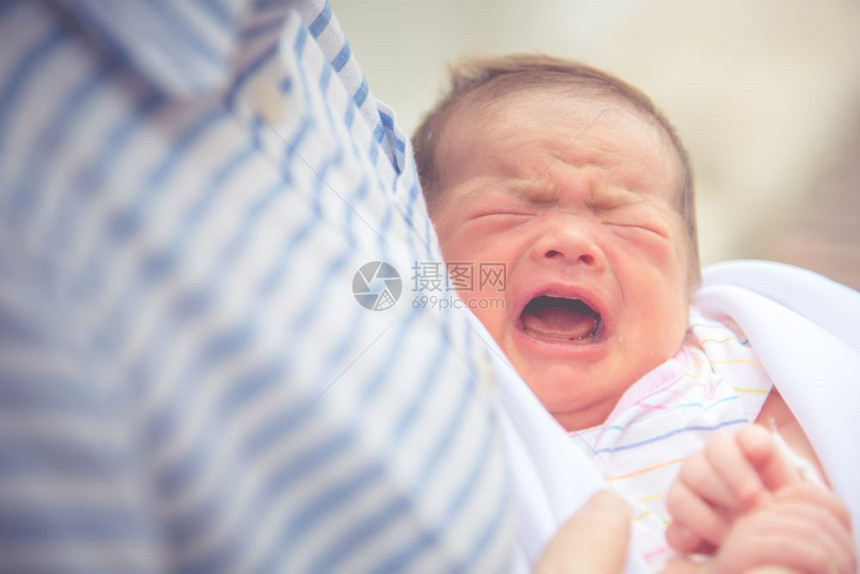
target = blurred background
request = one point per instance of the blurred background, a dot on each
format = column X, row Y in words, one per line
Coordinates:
column 765, row 94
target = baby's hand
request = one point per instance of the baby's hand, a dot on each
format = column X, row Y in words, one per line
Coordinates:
column 731, row 475
column 804, row 528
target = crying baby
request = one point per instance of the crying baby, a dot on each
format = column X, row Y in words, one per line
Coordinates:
column 579, row 185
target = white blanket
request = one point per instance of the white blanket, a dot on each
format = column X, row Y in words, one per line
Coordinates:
column 805, row 330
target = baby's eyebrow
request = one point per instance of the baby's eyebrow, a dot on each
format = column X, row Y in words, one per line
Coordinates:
column 530, row 191
column 609, row 197
column 540, row 192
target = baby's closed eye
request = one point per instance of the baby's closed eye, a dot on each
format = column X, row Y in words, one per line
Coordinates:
column 635, row 226
column 500, row 220
column 497, row 212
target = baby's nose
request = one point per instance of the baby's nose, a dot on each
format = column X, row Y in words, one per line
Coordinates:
column 586, row 258
column 570, row 242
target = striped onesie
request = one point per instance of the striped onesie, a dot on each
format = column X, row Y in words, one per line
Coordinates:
column 714, row 382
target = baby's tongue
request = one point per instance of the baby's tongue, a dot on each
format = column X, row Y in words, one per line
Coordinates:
column 555, row 318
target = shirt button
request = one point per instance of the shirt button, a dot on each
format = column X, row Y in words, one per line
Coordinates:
column 268, row 101
column 488, row 372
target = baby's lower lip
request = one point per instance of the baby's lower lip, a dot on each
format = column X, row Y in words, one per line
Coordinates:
column 563, row 337
column 586, row 347
column 550, row 340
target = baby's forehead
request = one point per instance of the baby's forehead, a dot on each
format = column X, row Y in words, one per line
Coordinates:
column 518, row 136
column 492, row 107
column 580, row 121
column 576, row 123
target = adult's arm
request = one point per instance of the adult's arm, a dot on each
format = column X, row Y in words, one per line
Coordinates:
column 187, row 380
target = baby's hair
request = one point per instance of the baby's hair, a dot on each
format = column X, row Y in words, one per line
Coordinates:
column 486, row 79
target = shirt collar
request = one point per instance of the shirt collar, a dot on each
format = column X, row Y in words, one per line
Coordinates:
column 185, row 48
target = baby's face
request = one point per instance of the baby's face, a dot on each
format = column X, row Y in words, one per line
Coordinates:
column 577, row 198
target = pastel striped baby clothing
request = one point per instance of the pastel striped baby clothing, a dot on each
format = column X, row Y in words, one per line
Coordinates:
column 714, row 382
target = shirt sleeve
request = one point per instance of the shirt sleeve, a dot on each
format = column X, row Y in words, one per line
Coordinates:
column 210, row 355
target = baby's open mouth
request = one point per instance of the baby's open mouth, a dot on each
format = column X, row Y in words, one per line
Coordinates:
column 557, row 318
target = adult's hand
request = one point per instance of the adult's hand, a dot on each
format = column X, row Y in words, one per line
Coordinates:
column 594, row 540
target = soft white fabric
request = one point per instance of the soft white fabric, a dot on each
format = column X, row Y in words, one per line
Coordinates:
column 806, row 331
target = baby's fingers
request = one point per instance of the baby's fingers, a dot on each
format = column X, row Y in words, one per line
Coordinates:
column 794, row 531
column 696, row 526
column 802, row 537
column 736, row 459
column 703, row 480
column 762, row 450
column 685, row 541
column 820, row 497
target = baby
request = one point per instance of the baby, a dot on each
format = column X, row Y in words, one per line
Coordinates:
column 575, row 182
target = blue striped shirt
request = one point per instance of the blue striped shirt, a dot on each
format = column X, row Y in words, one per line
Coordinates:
column 187, row 380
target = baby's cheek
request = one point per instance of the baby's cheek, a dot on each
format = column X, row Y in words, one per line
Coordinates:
column 488, row 312
column 479, row 305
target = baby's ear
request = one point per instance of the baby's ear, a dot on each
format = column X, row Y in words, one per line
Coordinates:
column 694, row 280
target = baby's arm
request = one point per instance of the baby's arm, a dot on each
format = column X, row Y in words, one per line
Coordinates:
column 744, row 495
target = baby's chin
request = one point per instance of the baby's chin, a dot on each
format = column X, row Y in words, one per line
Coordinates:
column 577, row 399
